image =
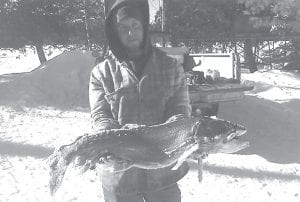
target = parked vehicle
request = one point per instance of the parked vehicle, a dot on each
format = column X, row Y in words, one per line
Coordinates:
column 212, row 78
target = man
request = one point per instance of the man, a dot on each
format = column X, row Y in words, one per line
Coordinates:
column 138, row 84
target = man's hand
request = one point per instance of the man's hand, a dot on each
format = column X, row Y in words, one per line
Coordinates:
column 197, row 155
column 131, row 126
column 108, row 158
column 88, row 163
column 175, row 118
column 112, row 164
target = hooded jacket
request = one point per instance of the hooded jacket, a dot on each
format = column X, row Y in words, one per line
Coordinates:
column 118, row 97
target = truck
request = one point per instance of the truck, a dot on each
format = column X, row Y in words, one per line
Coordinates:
column 212, row 78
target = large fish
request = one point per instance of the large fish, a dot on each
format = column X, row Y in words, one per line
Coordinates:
column 148, row 147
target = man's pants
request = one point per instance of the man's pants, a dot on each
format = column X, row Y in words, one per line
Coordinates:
column 168, row 194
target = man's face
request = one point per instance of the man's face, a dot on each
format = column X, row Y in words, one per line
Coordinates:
column 131, row 33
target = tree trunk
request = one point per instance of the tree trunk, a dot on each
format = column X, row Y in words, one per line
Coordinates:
column 40, row 52
column 249, row 57
column 86, row 23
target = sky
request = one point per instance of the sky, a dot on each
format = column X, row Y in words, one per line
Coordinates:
column 154, row 6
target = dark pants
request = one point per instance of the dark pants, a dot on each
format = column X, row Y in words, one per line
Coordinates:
column 168, row 194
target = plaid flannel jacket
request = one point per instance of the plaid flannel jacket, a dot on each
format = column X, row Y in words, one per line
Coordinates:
column 118, row 97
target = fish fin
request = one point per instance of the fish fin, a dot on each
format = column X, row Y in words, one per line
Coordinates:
column 184, row 156
column 89, row 165
column 116, row 166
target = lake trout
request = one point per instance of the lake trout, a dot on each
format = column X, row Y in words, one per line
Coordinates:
column 147, row 147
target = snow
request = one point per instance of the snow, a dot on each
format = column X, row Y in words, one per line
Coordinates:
column 48, row 107
column 60, row 82
column 15, row 61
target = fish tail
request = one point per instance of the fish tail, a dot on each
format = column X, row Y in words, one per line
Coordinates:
column 58, row 162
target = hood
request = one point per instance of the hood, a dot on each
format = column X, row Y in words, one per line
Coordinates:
column 112, row 6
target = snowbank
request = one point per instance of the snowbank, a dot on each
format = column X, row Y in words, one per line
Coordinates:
column 61, row 82
column 271, row 113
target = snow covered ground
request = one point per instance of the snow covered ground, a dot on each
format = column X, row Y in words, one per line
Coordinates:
column 269, row 170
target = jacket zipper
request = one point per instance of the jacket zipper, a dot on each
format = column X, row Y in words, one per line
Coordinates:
column 138, row 93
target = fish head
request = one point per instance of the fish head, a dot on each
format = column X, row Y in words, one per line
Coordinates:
column 213, row 129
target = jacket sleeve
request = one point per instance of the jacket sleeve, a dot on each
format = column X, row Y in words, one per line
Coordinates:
column 101, row 114
column 178, row 104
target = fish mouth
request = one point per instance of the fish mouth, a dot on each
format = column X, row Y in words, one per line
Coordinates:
column 235, row 134
column 233, row 146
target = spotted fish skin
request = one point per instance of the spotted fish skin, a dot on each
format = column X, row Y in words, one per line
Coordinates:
column 147, row 147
